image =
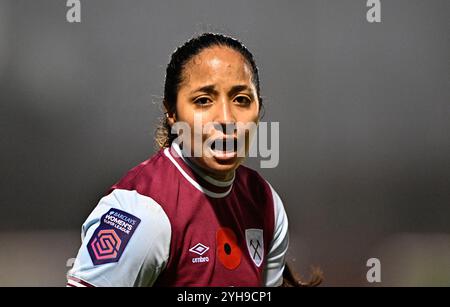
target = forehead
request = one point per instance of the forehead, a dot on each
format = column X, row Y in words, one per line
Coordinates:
column 217, row 64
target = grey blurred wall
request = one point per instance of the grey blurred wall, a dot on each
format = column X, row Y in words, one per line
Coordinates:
column 363, row 108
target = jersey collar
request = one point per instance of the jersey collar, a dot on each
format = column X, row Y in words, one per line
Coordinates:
column 197, row 177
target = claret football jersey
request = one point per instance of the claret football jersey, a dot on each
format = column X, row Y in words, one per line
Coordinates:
column 167, row 223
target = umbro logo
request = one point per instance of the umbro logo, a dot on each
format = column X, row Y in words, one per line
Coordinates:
column 199, row 249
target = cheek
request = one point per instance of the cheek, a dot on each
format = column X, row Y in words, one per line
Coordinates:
column 199, row 124
column 249, row 116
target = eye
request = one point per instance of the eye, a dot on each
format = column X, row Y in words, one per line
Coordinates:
column 243, row 100
column 202, row 101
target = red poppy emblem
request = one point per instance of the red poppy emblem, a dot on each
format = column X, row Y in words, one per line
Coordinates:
column 228, row 249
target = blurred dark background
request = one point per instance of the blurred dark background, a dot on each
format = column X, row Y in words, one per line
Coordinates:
column 364, row 112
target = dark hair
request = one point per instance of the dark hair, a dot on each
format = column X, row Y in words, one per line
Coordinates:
column 174, row 74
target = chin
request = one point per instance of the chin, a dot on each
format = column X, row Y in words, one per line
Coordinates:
column 222, row 167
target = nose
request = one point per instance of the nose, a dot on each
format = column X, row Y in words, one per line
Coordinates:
column 225, row 117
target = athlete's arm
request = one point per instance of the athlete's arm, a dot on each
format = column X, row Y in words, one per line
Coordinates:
column 273, row 271
column 125, row 242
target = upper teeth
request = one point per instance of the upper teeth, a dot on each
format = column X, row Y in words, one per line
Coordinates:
column 220, row 145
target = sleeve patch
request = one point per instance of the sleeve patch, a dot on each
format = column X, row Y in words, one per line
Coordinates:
column 111, row 237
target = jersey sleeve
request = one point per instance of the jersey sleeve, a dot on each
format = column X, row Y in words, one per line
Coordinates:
column 273, row 271
column 125, row 243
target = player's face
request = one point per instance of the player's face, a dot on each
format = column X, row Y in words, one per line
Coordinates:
column 217, row 88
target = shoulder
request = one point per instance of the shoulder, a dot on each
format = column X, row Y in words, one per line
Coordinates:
column 142, row 207
column 150, row 175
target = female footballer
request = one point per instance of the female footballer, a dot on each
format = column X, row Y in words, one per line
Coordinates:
column 182, row 218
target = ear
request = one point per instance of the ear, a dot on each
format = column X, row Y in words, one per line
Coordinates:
column 171, row 118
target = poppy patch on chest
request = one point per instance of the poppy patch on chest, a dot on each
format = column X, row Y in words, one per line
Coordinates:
column 228, row 250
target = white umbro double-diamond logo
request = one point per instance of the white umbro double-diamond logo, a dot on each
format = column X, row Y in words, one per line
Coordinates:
column 199, row 249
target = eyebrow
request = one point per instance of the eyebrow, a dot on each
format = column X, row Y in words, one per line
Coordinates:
column 238, row 88
column 211, row 89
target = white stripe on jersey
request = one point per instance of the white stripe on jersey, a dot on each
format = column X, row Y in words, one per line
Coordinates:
column 71, row 283
column 75, row 282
